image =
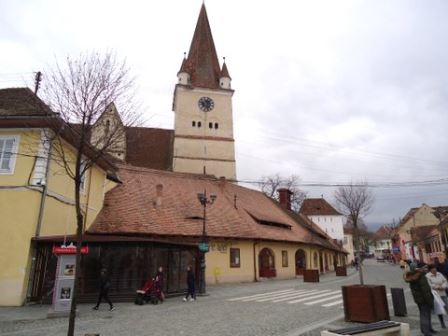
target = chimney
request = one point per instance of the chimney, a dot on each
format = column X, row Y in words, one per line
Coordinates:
column 285, row 198
column 159, row 194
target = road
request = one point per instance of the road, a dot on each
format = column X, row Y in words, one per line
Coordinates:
column 275, row 307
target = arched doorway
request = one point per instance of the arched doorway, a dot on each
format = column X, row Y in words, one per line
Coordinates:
column 300, row 261
column 266, row 262
column 326, row 262
column 316, row 260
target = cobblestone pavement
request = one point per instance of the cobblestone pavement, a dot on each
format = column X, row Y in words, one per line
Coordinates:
column 277, row 307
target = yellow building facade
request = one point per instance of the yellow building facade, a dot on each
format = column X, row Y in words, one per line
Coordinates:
column 37, row 200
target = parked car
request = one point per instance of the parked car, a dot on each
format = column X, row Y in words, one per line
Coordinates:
column 380, row 259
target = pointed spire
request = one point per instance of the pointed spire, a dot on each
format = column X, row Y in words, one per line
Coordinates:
column 224, row 70
column 183, row 67
column 202, row 62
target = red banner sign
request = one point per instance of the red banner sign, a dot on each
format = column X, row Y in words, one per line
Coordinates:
column 69, row 250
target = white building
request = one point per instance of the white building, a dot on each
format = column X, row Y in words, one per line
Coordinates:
column 325, row 216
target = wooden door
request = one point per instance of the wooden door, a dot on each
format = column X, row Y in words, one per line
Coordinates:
column 266, row 263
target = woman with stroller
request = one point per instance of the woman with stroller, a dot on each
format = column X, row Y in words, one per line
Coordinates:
column 190, row 285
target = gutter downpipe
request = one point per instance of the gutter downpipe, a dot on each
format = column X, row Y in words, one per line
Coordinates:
column 39, row 223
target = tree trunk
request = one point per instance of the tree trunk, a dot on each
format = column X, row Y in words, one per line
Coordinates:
column 79, row 228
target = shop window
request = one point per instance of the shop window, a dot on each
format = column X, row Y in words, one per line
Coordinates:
column 235, row 260
column 284, row 258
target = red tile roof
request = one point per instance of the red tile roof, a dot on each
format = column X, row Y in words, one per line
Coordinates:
column 149, row 147
column 317, row 206
column 384, row 232
column 133, row 208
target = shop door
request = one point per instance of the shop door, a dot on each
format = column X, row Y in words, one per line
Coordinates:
column 266, row 263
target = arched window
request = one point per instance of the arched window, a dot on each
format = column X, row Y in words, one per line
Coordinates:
column 216, row 125
column 199, row 124
column 193, row 123
column 210, row 125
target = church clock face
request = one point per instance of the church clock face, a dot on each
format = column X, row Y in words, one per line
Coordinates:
column 206, row 104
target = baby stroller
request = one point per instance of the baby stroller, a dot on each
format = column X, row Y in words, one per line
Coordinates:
column 148, row 293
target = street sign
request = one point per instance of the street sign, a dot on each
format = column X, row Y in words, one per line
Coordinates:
column 69, row 249
column 395, row 249
column 203, row 247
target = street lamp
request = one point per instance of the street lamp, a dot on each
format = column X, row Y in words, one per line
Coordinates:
column 203, row 245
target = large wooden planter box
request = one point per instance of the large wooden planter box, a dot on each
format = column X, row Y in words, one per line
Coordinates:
column 365, row 303
column 310, row 275
column 341, row 271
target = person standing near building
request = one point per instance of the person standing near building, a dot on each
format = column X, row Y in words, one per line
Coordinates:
column 421, row 291
column 158, row 281
column 104, row 290
column 190, row 285
column 438, row 284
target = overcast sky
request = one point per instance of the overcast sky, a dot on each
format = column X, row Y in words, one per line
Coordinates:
column 332, row 91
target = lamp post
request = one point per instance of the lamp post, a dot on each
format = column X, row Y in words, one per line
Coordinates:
column 203, row 245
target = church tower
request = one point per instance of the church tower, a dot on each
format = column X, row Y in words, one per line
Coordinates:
column 202, row 103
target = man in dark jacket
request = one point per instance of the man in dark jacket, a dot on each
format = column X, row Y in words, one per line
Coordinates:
column 104, row 290
column 421, row 291
column 190, row 285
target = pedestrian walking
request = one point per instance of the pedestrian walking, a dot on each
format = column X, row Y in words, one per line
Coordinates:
column 421, row 291
column 104, row 290
column 438, row 284
column 158, row 282
column 190, row 285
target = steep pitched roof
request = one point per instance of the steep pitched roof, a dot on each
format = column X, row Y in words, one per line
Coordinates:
column 384, row 232
column 225, row 71
column 317, row 206
column 202, row 63
column 21, row 102
column 133, row 208
column 149, row 147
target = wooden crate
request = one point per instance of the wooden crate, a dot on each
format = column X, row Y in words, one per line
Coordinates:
column 365, row 303
column 341, row 270
column 310, row 275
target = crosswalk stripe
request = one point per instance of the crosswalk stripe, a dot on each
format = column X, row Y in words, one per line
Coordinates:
column 324, row 299
column 313, row 292
column 313, row 297
column 263, row 294
column 282, row 296
column 331, row 304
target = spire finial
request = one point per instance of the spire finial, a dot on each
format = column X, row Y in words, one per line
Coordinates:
column 224, row 59
column 185, row 54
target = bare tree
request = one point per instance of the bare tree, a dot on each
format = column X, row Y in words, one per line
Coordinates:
column 79, row 91
column 270, row 185
column 355, row 201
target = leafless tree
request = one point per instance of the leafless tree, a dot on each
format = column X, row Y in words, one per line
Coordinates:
column 355, row 201
column 270, row 185
column 79, row 91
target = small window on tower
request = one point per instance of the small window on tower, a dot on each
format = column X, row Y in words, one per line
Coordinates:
column 193, row 123
column 216, row 125
column 199, row 124
column 210, row 125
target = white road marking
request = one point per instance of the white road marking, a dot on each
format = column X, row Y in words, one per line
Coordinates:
column 311, row 292
column 324, row 299
column 314, row 297
column 263, row 294
column 288, row 295
column 266, row 296
column 331, row 304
